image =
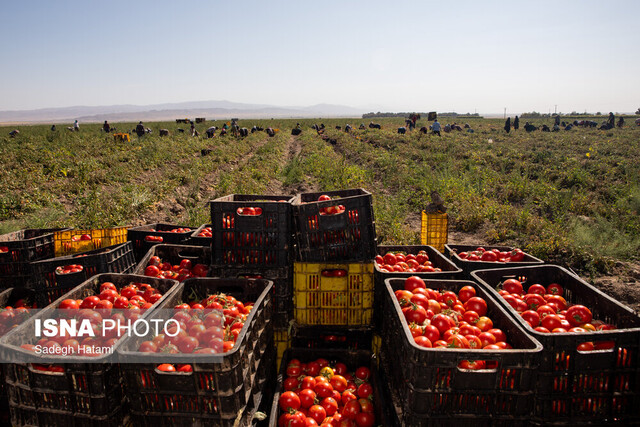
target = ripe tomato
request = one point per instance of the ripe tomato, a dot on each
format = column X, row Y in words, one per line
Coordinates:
column 365, row 419
column 414, row 282
column 166, row 367
column 289, row 400
column 578, row 314
column 551, row 322
column 466, row 292
column 330, row 405
column 555, row 289
column 512, row 286
column 69, row 304
column 415, row 314
column 318, row 413
column 537, row 289
column 476, row 304
column 423, row 341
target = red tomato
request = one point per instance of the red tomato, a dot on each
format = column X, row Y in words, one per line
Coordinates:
column 69, row 304
column 512, row 286
column 555, row 289
column 289, row 400
column 466, row 292
column 476, row 304
column 578, row 314
column 414, row 282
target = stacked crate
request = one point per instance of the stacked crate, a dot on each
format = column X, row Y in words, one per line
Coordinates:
column 74, row 390
column 333, row 271
column 223, row 389
column 19, row 249
column 72, row 241
column 575, row 386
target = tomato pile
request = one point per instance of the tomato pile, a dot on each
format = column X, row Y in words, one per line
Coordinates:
column 134, row 299
column 398, row 262
column 205, row 232
column 546, row 310
column 12, row 316
column 317, row 394
column 493, row 255
column 165, row 270
column 159, row 239
column 209, row 326
column 68, row 269
column 449, row 320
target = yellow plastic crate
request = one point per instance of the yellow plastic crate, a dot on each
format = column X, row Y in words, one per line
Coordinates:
column 68, row 242
column 434, row 230
column 122, row 137
column 322, row 298
column 282, row 341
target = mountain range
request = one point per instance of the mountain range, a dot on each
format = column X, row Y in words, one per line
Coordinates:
column 171, row 111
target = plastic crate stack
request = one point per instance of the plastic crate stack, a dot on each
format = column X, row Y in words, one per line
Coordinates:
column 19, row 249
column 333, row 284
column 81, row 390
column 252, row 238
column 426, row 386
column 72, row 241
column 574, row 386
column 224, row 389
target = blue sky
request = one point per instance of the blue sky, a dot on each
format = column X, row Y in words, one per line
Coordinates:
column 383, row 55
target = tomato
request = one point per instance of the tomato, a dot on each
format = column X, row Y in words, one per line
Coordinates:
column 289, row 400
column 578, row 314
column 517, row 255
column 476, row 304
column 318, row 413
column 484, row 323
column 389, row 259
column 555, row 289
column 338, row 382
column 415, row 314
column 551, row 322
column 365, row 419
column 466, row 292
column 457, row 341
column 449, row 298
column 472, row 364
column 323, row 389
column 421, row 300
column 364, row 390
column 148, row 347
column 423, row 341
column 330, row 405
column 414, row 282
column 307, row 396
column 489, row 256
column 166, row 367
column 442, row 322
column 531, row 317
column 351, row 409
column 69, row 304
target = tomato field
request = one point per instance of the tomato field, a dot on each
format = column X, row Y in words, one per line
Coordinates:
column 568, row 197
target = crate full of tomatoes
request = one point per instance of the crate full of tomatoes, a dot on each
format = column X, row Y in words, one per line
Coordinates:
column 328, row 387
column 251, row 231
column 205, row 369
column 145, row 236
column 203, row 236
column 478, row 257
column 590, row 362
column 334, row 226
column 406, row 261
column 451, row 352
column 56, row 276
column 69, row 377
column 18, row 249
column 179, row 262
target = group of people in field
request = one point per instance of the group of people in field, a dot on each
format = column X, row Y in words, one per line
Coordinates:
column 558, row 125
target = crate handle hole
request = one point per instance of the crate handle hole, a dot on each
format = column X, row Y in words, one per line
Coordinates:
column 478, row 366
column 249, row 211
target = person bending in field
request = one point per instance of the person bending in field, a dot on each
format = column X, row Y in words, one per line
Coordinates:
column 106, row 127
column 140, row 130
column 435, row 127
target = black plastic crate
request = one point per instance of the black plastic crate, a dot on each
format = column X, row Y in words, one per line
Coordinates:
column 50, row 285
column 220, row 384
column 86, row 388
column 281, row 293
column 327, row 337
column 449, row 271
column 174, row 254
column 576, row 387
column 197, row 240
column 18, row 249
column 344, row 237
column 27, row 245
column 28, row 416
column 467, row 267
column 261, row 240
column 353, row 359
column 427, row 382
column 141, row 237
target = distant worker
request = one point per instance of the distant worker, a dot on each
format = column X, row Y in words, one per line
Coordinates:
column 194, row 132
column 516, row 123
column 106, row 127
column 13, row 133
column 76, row 126
column 621, row 122
column 557, row 121
column 611, row 122
column 53, row 128
column 211, row 132
column 140, row 130
column 507, row 125
column 435, row 127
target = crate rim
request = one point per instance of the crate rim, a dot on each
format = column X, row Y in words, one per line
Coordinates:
column 532, row 261
column 601, row 335
column 275, row 198
column 462, row 351
column 297, row 200
column 46, row 231
column 455, row 268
